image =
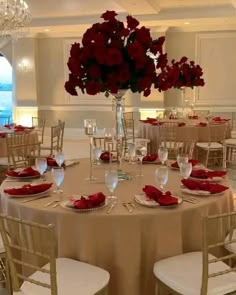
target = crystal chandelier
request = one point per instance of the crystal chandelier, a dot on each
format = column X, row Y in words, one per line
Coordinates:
column 14, row 17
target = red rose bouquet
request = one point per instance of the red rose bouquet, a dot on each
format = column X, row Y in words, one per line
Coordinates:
column 113, row 56
column 183, row 74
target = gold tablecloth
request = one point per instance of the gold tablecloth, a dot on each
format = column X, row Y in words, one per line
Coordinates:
column 126, row 244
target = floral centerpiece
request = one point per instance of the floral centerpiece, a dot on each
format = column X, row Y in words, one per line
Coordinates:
column 114, row 56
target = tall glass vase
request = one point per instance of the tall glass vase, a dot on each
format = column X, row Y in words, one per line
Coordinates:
column 118, row 100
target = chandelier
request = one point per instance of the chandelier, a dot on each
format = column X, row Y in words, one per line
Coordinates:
column 14, row 18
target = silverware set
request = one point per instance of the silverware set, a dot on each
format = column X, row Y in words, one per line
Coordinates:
column 54, row 204
column 129, row 206
column 111, row 207
column 191, row 200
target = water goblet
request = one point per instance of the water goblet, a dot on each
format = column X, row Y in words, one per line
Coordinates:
column 111, row 181
column 161, row 176
column 141, row 152
column 182, row 158
column 60, row 158
column 131, row 152
column 58, row 177
column 41, row 166
column 97, row 151
column 162, row 154
column 185, row 170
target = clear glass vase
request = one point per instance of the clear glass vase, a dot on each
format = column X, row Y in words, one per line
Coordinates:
column 119, row 128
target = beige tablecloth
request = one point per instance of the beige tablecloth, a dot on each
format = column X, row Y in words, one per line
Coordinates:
column 125, row 244
column 184, row 133
column 33, row 137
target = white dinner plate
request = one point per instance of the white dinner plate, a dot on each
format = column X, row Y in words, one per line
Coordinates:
column 212, row 179
column 199, row 192
column 142, row 199
column 47, row 192
column 67, row 204
column 22, row 177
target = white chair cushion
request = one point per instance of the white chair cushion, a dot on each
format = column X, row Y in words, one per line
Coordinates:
column 231, row 141
column 231, row 247
column 73, row 278
column 183, row 273
column 214, row 145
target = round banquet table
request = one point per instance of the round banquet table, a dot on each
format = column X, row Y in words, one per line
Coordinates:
column 126, row 244
column 188, row 132
column 33, row 138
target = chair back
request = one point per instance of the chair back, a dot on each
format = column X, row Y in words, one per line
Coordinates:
column 128, row 115
column 217, row 132
column 201, row 113
column 55, row 139
column 29, row 246
column 61, row 140
column 221, row 224
column 168, row 137
column 185, row 147
column 4, row 120
column 39, row 123
column 17, row 149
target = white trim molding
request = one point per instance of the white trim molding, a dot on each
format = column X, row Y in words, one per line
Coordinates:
column 216, row 55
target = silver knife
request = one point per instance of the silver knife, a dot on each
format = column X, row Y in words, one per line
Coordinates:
column 112, row 206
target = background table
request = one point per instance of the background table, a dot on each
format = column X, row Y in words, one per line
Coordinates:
column 184, row 133
column 125, row 244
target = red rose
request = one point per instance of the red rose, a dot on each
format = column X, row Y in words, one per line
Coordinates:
column 94, row 71
column 114, row 57
column 143, row 35
column 136, row 50
column 93, row 87
column 132, row 22
column 70, row 88
column 75, row 50
column 109, row 15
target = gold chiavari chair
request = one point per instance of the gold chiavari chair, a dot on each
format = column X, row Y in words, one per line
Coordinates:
column 167, row 134
column 4, row 120
column 201, row 273
column 61, row 140
column 39, row 124
column 54, row 145
column 214, row 149
column 128, row 116
column 31, row 253
column 185, row 147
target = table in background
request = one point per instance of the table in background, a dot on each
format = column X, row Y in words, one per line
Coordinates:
column 125, row 244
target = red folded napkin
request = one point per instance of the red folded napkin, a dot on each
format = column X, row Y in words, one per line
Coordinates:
column 149, row 120
column 150, row 158
column 204, row 174
column 106, row 156
column 194, row 163
column 193, row 117
column 155, row 194
column 19, row 128
column 9, row 125
column 202, row 124
column 51, row 162
column 219, row 119
column 213, row 188
column 2, row 135
column 28, row 189
column 181, row 124
column 90, row 201
column 29, row 171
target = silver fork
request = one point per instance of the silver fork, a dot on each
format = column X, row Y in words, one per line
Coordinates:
column 127, row 206
column 191, row 200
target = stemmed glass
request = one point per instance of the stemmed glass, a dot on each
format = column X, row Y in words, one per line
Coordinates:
column 97, row 151
column 111, row 181
column 182, row 158
column 162, row 154
column 161, row 176
column 185, row 170
column 141, row 152
column 41, row 166
column 131, row 152
column 60, row 158
column 58, row 177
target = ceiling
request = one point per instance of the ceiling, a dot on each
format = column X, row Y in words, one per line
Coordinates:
column 70, row 16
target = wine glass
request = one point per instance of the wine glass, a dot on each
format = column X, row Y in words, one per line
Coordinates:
column 111, row 181
column 60, row 158
column 182, row 158
column 58, row 177
column 131, row 152
column 185, row 170
column 41, row 165
column 161, row 176
column 162, row 154
column 97, row 151
column 141, row 152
